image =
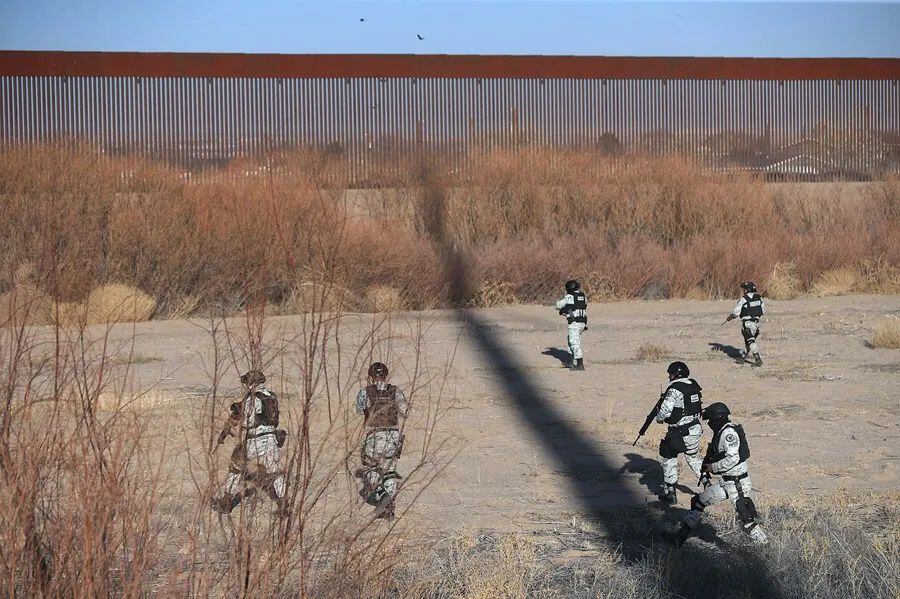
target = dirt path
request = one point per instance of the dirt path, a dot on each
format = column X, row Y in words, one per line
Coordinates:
column 822, row 414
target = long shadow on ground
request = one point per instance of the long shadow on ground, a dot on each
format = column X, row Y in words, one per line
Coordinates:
column 564, row 357
column 618, row 509
column 604, row 495
column 729, row 350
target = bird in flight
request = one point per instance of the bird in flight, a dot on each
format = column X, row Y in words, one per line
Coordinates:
column 419, row 35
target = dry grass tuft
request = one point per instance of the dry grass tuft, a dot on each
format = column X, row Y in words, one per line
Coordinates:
column 116, row 302
column 384, row 298
column 650, row 352
column 494, row 293
column 309, row 296
column 839, row 281
column 25, row 303
column 784, row 284
column 887, row 333
column 106, row 305
column 698, row 293
column 112, row 401
column 879, row 276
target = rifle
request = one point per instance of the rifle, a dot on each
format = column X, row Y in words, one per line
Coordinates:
column 650, row 417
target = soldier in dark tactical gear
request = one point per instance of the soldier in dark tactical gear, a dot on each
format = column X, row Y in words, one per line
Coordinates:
column 255, row 459
column 384, row 408
column 750, row 309
column 726, row 457
column 573, row 306
column 679, row 407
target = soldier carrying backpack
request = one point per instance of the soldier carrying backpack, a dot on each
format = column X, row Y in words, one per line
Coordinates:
column 255, row 458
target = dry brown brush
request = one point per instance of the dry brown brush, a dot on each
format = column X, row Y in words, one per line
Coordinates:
column 651, row 227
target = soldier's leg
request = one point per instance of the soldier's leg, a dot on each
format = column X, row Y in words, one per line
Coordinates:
column 746, row 512
column 232, row 495
column 668, row 459
column 692, row 450
column 575, row 330
column 750, row 330
column 269, row 458
column 711, row 495
column 573, row 342
column 370, row 467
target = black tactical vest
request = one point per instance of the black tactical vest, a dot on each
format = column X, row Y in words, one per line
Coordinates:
column 577, row 311
column 712, row 451
column 690, row 389
column 752, row 307
column 269, row 415
column 382, row 411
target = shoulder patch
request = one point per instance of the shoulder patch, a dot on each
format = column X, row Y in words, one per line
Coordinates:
column 730, row 438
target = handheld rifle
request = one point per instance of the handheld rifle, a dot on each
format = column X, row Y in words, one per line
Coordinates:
column 650, row 417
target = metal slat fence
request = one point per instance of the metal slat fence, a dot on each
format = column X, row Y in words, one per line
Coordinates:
column 811, row 125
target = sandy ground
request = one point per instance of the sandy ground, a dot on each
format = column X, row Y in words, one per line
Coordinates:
column 822, row 414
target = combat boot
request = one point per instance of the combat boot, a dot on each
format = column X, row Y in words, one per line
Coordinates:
column 758, row 536
column 668, row 496
column 578, row 365
column 758, row 361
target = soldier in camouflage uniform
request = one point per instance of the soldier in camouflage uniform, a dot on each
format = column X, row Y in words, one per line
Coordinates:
column 573, row 306
column 384, row 408
column 255, row 459
column 750, row 309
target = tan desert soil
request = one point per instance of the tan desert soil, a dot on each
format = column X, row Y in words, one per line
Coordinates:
column 822, row 414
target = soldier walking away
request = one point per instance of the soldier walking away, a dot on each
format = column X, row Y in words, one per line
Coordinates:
column 255, row 458
column 384, row 408
column 726, row 457
column 679, row 407
column 749, row 308
column 574, row 307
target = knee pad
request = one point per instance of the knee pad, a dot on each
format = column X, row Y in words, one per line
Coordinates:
column 746, row 511
column 696, row 504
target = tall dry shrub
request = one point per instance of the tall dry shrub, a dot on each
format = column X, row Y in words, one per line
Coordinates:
column 528, row 219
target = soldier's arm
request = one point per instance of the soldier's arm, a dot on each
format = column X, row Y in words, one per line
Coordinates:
column 737, row 309
column 565, row 301
column 762, row 305
column 668, row 404
column 729, row 445
column 234, row 419
column 402, row 404
column 362, row 401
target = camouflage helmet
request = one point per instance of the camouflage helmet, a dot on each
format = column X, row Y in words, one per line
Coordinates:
column 749, row 286
column 378, row 370
column 253, row 378
column 572, row 286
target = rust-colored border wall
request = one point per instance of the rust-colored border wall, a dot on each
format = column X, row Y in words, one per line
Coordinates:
column 155, row 64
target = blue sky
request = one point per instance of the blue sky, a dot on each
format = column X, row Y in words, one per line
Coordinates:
column 786, row 29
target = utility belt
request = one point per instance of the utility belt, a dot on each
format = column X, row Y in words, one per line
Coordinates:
column 750, row 319
column 280, row 436
column 684, row 429
column 381, row 429
column 734, row 479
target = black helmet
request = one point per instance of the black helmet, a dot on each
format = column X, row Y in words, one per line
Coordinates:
column 253, row 378
column 715, row 411
column 378, row 370
column 679, row 370
column 749, row 286
column 571, row 286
